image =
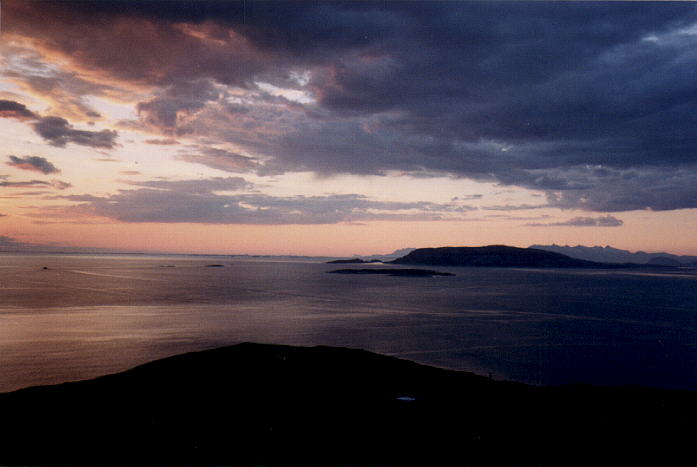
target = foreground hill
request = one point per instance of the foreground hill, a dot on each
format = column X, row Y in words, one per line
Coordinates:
column 495, row 256
column 254, row 403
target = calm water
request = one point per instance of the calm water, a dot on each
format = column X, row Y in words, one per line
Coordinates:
column 90, row 315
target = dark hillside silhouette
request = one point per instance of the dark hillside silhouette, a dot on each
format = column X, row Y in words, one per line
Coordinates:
column 254, row 403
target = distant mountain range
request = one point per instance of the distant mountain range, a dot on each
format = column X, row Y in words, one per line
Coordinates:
column 608, row 254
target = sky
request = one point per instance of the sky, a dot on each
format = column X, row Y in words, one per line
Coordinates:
column 340, row 128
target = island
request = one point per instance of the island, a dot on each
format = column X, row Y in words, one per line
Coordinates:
column 394, row 272
column 354, row 261
column 253, row 404
column 500, row 256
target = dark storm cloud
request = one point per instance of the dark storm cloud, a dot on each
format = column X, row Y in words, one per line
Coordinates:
column 12, row 109
column 603, row 221
column 658, row 189
column 59, row 132
column 525, row 94
column 149, row 48
column 309, row 29
column 34, row 163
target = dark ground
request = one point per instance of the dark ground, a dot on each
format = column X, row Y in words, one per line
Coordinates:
column 264, row 404
column 394, row 272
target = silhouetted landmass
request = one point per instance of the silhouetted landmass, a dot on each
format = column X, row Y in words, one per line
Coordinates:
column 354, row 261
column 664, row 261
column 215, row 265
column 267, row 404
column 607, row 254
column 499, row 256
column 281, row 257
column 394, row 272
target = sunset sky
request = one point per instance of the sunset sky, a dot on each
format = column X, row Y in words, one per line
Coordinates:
column 339, row 128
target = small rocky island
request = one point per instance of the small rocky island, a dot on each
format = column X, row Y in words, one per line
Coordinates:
column 394, row 272
column 354, row 261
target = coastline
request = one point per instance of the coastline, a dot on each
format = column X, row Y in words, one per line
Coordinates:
column 260, row 403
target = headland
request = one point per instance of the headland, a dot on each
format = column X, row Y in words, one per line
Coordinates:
column 271, row 404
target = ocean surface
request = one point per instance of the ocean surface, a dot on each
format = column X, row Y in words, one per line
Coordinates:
column 89, row 315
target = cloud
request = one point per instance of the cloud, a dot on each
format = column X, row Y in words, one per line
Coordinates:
column 170, row 207
column 539, row 95
column 508, row 217
column 60, row 185
column 133, row 51
column 517, row 207
column 58, row 132
column 176, row 104
column 603, row 221
column 203, row 186
column 220, row 159
column 612, row 190
column 162, row 142
column 224, row 201
column 57, row 184
column 12, row 109
column 33, row 163
column 64, row 92
column 31, row 193
column 468, row 197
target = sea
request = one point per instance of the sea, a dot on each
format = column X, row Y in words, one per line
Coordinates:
column 67, row 317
